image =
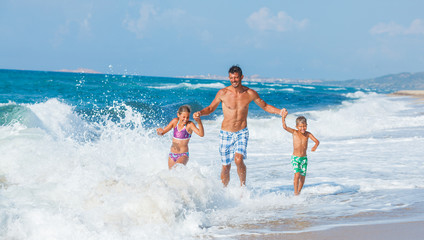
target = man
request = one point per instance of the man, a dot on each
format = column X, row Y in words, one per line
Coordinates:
column 234, row 134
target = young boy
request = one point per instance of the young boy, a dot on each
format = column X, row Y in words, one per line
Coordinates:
column 299, row 159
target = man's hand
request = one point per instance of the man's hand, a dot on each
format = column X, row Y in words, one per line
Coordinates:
column 284, row 113
column 196, row 115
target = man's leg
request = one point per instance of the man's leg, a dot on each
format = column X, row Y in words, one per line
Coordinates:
column 225, row 174
column 241, row 168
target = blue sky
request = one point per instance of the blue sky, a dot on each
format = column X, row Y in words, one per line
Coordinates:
column 272, row 38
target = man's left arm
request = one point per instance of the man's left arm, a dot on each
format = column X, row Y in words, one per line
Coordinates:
column 265, row 106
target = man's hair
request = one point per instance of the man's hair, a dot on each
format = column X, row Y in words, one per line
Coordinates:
column 301, row 119
column 184, row 108
column 235, row 69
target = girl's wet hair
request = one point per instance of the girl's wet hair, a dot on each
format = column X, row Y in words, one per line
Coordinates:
column 301, row 119
column 184, row 108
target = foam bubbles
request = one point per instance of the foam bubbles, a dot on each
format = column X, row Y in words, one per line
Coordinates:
column 115, row 185
column 369, row 114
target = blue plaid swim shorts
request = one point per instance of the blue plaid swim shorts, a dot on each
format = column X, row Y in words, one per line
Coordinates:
column 231, row 143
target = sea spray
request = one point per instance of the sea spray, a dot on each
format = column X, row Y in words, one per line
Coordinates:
column 118, row 180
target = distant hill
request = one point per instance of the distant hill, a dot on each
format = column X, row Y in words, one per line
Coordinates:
column 392, row 82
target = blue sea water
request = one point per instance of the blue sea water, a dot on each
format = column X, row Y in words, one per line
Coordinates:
column 94, row 94
column 80, row 159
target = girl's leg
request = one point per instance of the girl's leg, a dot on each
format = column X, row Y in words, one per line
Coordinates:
column 171, row 162
column 182, row 159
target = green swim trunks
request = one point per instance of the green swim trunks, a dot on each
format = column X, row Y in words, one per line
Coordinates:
column 300, row 164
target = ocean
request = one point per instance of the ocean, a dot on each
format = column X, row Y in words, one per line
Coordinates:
column 80, row 159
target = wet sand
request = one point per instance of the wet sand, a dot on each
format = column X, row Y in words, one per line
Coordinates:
column 391, row 231
column 387, row 231
column 403, row 223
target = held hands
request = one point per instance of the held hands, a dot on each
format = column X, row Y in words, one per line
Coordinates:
column 196, row 115
column 283, row 113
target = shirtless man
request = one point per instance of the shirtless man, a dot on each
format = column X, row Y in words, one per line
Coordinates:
column 234, row 134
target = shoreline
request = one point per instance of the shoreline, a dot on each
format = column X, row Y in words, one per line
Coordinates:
column 417, row 94
column 411, row 230
column 388, row 231
column 411, row 93
column 406, row 222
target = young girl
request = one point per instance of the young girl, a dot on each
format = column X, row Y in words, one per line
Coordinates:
column 183, row 128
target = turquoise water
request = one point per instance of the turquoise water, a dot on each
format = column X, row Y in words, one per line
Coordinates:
column 80, row 159
column 158, row 97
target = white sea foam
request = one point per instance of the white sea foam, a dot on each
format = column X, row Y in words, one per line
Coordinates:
column 369, row 114
column 190, row 86
column 303, row 86
column 335, row 89
column 58, row 184
column 275, row 89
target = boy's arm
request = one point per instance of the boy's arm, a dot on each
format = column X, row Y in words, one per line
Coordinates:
column 171, row 124
column 199, row 131
column 212, row 107
column 311, row 136
column 284, row 114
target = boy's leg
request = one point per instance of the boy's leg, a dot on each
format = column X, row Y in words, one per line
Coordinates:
column 241, row 168
column 225, row 174
column 301, row 182
column 296, row 183
column 303, row 167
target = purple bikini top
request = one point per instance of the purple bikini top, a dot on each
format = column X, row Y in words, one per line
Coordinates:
column 182, row 135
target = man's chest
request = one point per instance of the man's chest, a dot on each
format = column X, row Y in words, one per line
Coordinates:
column 236, row 102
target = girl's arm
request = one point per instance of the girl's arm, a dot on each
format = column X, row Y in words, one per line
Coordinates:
column 315, row 140
column 171, row 125
column 283, row 119
column 199, row 131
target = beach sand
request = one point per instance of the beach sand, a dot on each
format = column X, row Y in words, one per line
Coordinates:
column 388, row 231
column 412, row 93
column 402, row 223
column 392, row 231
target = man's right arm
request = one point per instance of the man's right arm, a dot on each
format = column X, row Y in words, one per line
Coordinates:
column 212, row 107
column 265, row 106
column 284, row 114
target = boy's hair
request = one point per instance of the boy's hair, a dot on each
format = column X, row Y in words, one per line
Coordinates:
column 184, row 108
column 235, row 69
column 301, row 119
